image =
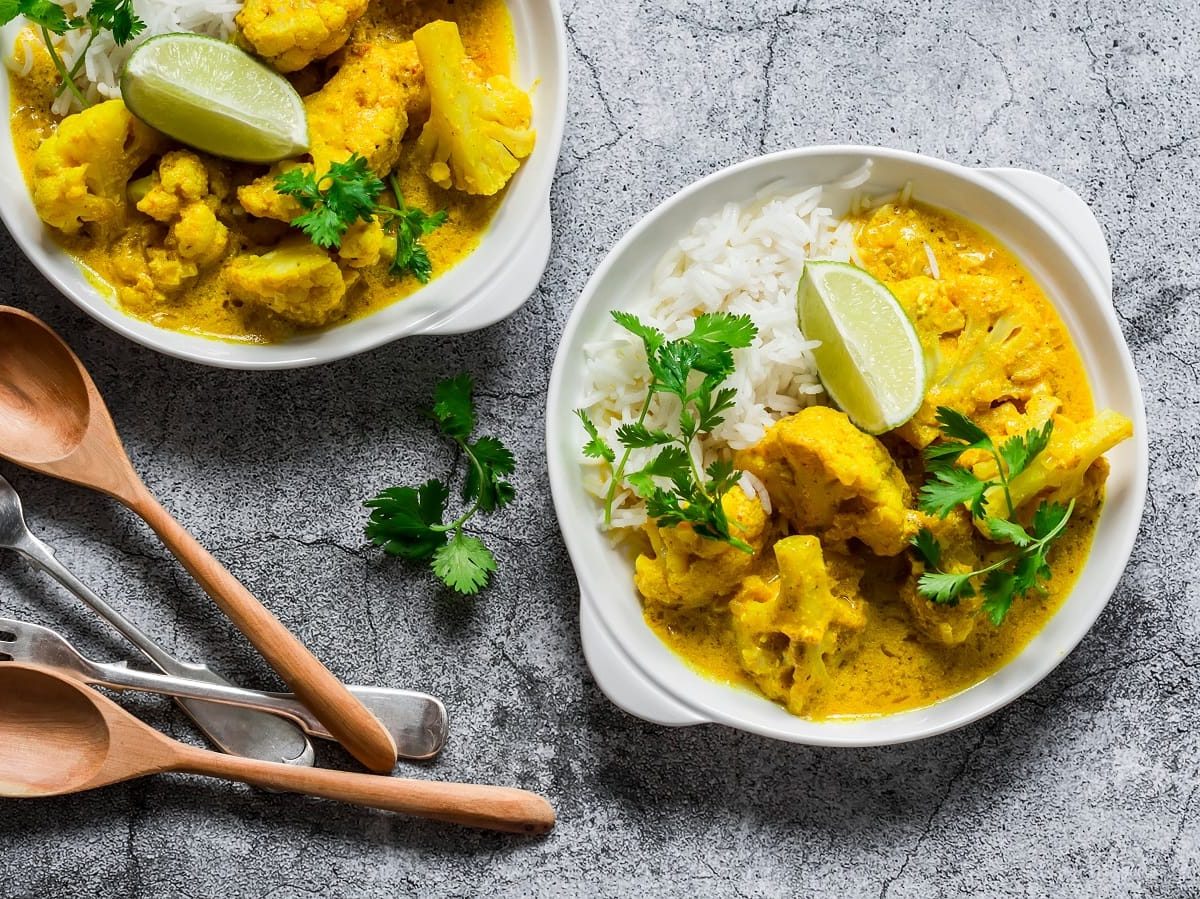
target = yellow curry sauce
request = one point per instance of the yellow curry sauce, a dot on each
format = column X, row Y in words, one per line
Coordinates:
column 893, row 664
column 206, row 307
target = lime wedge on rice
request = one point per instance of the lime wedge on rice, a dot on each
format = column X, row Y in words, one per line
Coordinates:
column 869, row 360
column 212, row 96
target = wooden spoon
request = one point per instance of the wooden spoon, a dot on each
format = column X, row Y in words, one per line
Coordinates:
column 58, row 736
column 53, row 420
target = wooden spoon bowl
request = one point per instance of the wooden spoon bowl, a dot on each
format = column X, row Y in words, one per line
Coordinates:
column 53, row 420
column 58, row 736
column 44, row 404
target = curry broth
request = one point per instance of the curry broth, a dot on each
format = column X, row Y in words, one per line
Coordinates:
column 894, row 669
column 207, row 308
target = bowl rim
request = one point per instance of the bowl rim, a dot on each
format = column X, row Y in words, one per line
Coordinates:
column 826, row 733
column 515, row 268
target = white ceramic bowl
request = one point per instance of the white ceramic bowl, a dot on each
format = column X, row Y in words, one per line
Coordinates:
column 1057, row 238
column 491, row 284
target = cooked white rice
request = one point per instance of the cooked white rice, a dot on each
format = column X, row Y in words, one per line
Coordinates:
column 102, row 65
column 745, row 259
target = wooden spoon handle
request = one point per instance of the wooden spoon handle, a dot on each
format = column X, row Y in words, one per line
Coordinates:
column 474, row 805
column 314, row 684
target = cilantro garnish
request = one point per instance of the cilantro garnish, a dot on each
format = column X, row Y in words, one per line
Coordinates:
column 950, row 486
column 410, row 522
column 116, row 16
column 674, row 488
column 349, row 192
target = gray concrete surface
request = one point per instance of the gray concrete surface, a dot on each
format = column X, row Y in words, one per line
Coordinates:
column 1086, row 787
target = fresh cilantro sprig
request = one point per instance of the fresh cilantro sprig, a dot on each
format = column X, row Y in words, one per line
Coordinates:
column 409, row 522
column 1013, row 576
column 349, row 192
column 951, row 485
column 691, row 369
column 116, row 16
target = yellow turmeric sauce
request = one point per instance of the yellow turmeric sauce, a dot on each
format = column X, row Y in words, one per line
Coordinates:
column 894, row 667
column 207, row 308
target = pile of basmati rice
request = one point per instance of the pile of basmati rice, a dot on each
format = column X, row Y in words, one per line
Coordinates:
column 102, row 65
column 745, row 259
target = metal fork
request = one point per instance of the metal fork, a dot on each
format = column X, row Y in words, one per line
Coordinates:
column 236, row 731
column 416, row 721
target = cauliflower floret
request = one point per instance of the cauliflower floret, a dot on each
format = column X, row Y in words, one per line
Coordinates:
column 1059, row 473
column 687, row 570
column 944, row 623
column 179, row 196
column 362, row 244
column 81, row 171
column 292, row 33
column 478, row 129
column 828, row 477
column 789, row 628
column 297, row 281
column 362, row 109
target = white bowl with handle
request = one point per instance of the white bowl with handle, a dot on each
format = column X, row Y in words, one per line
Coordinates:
column 1057, row 238
column 487, row 286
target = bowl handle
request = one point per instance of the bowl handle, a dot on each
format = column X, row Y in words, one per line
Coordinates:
column 509, row 288
column 621, row 681
column 1068, row 209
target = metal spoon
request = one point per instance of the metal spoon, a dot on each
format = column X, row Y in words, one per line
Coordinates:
column 238, row 731
column 57, row 736
column 53, row 420
column 416, row 721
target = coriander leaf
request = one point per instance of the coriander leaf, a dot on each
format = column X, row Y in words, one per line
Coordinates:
column 485, row 479
column 410, row 225
column 117, row 16
column 927, row 548
column 723, row 476
column 711, row 406
column 999, row 590
column 941, row 454
column 1018, row 452
column 957, row 426
column 672, row 462
column 671, row 365
column 452, row 407
column 1004, row 531
column 332, row 203
column 403, row 519
column 946, row 588
column 1050, row 518
column 637, row 435
column 652, row 338
column 9, row 10
column 48, row 15
column 596, row 447
column 952, row 486
column 464, row 564
column 714, row 331
column 1026, row 573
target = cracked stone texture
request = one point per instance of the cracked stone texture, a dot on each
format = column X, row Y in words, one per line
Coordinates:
column 1085, row 787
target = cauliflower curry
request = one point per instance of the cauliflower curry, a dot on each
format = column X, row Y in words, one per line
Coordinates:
column 203, row 245
column 825, row 617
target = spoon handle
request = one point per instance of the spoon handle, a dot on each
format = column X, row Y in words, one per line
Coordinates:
column 474, row 805
column 315, row 685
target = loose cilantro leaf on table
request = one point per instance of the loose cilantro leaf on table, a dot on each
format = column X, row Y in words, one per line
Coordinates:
column 950, row 486
column 410, row 522
column 349, row 192
column 691, row 369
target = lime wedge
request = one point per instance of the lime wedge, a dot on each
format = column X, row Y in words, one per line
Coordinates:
column 870, row 359
column 215, row 97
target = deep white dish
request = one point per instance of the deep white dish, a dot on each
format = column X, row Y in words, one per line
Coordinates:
column 1057, row 238
column 489, row 285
